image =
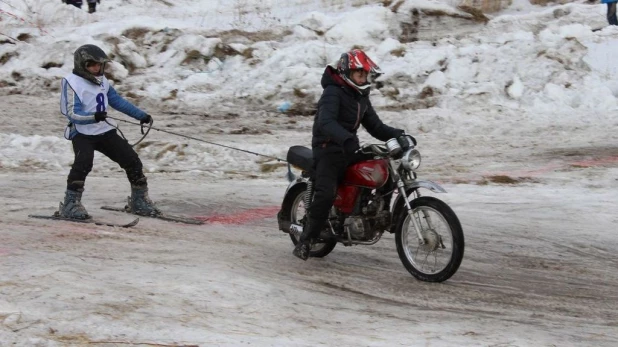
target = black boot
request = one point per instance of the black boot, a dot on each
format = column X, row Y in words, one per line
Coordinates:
column 139, row 202
column 92, row 7
column 310, row 231
column 72, row 206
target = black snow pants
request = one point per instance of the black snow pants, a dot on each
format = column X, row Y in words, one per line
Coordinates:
column 329, row 171
column 112, row 146
column 330, row 165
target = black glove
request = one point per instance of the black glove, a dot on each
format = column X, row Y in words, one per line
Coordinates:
column 350, row 146
column 404, row 141
column 100, row 116
column 145, row 120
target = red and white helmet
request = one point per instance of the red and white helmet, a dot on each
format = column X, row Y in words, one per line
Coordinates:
column 357, row 60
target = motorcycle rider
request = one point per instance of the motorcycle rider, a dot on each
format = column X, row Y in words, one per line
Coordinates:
column 342, row 108
column 84, row 99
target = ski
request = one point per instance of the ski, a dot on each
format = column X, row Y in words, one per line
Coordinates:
column 86, row 221
column 162, row 216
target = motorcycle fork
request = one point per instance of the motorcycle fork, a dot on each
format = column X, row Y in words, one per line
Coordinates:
column 415, row 223
column 426, row 216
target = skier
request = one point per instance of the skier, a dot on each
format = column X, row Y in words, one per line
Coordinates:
column 85, row 96
column 342, row 108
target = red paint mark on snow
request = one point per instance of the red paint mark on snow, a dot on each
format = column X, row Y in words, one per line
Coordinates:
column 242, row 216
column 595, row 162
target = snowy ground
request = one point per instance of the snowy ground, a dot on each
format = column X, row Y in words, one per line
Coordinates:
column 535, row 107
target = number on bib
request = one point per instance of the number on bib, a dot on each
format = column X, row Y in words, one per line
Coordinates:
column 100, row 102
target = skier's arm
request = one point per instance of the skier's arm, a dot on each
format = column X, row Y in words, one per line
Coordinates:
column 71, row 106
column 120, row 104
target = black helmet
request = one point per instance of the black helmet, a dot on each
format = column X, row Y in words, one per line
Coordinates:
column 356, row 59
column 86, row 54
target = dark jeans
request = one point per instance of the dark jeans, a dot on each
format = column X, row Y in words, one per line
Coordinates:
column 611, row 13
column 109, row 144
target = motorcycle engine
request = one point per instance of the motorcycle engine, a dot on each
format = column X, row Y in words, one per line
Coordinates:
column 372, row 220
column 356, row 226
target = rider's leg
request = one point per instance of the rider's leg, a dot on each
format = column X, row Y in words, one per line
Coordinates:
column 330, row 168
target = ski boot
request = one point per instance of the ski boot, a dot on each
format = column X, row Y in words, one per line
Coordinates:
column 72, row 206
column 139, row 203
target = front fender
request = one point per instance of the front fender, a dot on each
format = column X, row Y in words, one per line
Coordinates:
column 411, row 186
column 434, row 187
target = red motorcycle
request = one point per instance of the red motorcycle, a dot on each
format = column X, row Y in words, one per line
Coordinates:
column 377, row 195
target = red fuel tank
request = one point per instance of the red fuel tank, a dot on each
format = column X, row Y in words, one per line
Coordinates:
column 369, row 174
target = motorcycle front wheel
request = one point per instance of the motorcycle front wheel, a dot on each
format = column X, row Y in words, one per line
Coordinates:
column 293, row 209
column 438, row 257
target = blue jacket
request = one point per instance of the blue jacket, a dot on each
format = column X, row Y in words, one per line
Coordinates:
column 80, row 99
column 608, row 1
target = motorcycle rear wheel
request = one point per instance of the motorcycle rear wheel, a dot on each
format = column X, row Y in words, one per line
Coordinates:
column 442, row 252
column 293, row 209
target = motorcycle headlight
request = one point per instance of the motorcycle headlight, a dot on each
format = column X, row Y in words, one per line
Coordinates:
column 411, row 160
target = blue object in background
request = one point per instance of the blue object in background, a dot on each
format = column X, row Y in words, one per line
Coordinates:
column 284, row 106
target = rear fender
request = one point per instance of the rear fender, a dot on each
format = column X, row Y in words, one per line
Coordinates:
column 298, row 182
column 293, row 189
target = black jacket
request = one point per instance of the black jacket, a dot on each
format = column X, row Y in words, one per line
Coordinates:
column 341, row 111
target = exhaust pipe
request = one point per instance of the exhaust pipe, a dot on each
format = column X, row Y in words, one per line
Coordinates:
column 296, row 230
column 289, row 228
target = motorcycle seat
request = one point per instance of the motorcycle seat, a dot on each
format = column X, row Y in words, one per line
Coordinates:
column 301, row 157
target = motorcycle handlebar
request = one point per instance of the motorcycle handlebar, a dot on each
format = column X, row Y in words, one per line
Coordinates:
column 374, row 148
column 377, row 149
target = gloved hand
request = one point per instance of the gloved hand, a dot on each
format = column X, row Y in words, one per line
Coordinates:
column 145, row 120
column 404, row 141
column 100, row 116
column 350, row 146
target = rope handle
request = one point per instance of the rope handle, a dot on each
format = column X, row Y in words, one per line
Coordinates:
column 188, row 137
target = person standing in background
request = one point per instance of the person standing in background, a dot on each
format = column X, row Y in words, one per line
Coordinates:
column 76, row 3
column 611, row 11
column 92, row 4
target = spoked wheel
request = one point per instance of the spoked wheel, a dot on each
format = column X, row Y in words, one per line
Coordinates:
column 441, row 253
column 294, row 210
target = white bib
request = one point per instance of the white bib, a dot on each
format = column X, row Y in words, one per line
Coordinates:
column 93, row 98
